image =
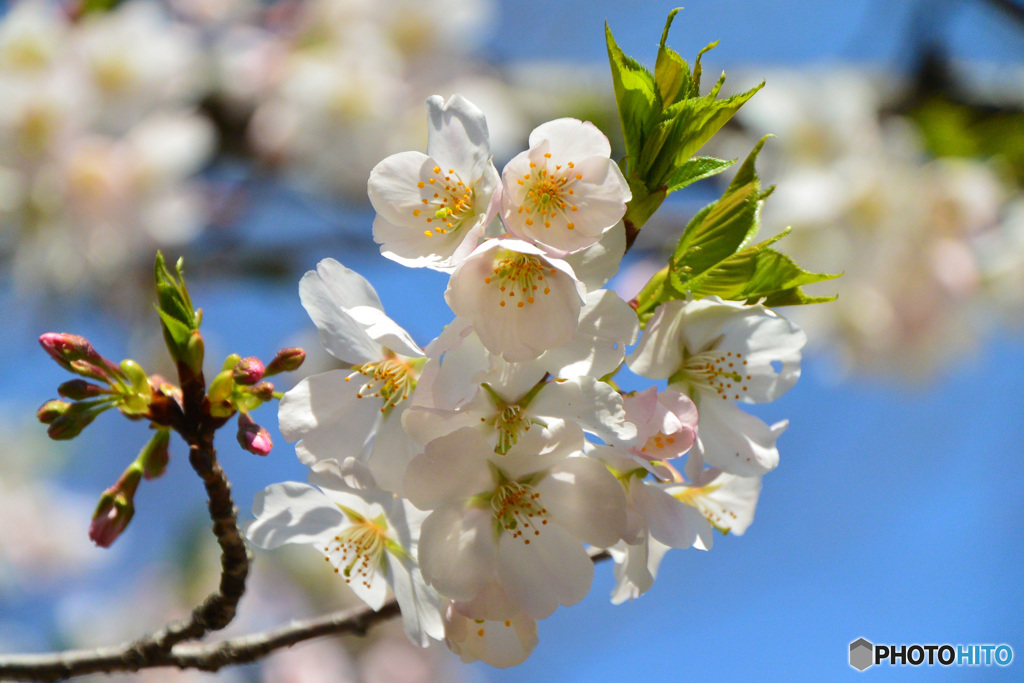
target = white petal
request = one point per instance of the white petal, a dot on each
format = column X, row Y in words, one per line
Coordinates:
column 735, row 441
column 452, row 467
column 583, row 497
column 391, row 452
column 632, row 578
column 660, row 351
column 728, row 501
column 607, row 325
column 421, row 605
column 324, row 411
column 670, row 521
column 595, row 265
column 457, row 552
column 291, row 512
column 592, row 404
column 552, row 570
column 501, row 644
column 325, row 293
column 572, row 139
column 457, row 135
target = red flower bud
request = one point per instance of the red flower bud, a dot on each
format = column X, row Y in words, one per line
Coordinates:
column 252, row 437
column 248, row 371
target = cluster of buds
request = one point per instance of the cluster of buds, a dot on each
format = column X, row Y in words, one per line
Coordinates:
column 106, row 385
column 192, row 409
column 240, row 388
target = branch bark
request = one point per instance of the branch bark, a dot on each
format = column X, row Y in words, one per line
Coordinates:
column 207, row 657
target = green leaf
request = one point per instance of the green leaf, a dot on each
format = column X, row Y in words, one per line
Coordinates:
column 174, row 305
column 721, row 228
column 697, row 168
column 756, row 273
column 635, row 95
column 671, row 72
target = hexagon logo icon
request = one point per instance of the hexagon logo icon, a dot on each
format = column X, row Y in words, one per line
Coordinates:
column 861, row 654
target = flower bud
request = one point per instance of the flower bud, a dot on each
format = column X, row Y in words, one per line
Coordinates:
column 65, row 348
column 79, row 389
column 252, row 437
column 248, row 371
column 231, row 361
column 286, row 360
column 136, row 375
column 115, row 508
column 72, row 421
column 194, row 350
column 264, row 391
column 51, row 410
column 155, row 455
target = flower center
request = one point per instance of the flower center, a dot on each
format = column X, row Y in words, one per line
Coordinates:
column 356, row 552
column 549, row 194
column 521, row 273
column 722, row 372
column 517, row 509
column 510, row 423
column 448, row 202
column 392, row 380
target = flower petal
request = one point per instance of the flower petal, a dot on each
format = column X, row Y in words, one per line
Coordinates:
column 735, row 441
column 457, row 552
column 583, row 497
column 552, row 570
column 291, row 512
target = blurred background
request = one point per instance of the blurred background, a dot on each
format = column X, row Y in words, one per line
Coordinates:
column 239, row 134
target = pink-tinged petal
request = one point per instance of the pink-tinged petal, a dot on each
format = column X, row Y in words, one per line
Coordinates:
column 583, row 497
column 520, row 303
column 607, row 325
column 735, row 441
column 659, row 354
column 457, row 552
column 590, row 403
column 325, row 412
column 670, row 521
column 571, row 139
column 420, row 604
column 452, row 467
column 291, row 512
column 543, row 571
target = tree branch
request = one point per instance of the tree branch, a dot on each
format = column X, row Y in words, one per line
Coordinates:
column 209, row 657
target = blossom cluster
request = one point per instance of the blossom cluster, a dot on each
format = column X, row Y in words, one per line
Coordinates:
column 467, row 477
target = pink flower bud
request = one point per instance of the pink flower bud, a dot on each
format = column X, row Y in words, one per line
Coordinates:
column 110, row 519
column 79, row 389
column 252, row 437
column 286, row 360
column 65, row 348
column 248, row 371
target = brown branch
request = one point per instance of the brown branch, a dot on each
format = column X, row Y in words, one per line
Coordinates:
column 209, row 657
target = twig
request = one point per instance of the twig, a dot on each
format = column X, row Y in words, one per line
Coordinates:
column 208, row 657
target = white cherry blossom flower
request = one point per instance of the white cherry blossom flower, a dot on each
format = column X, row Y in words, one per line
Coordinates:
column 367, row 535
column 521, row 518
column 564, row 192
column 520, row 302
column 501, row 643
column 432, row 208
column 355, row 412
column 719, row 352
column 549, row 415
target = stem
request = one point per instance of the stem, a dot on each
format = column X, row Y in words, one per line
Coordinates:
column 209, row 657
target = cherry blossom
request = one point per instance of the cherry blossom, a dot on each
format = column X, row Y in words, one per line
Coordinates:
column 365, row 533
column 520, row 302
column 565, row 192
column 432, row 209
column 719, row 352
column 355, row 412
